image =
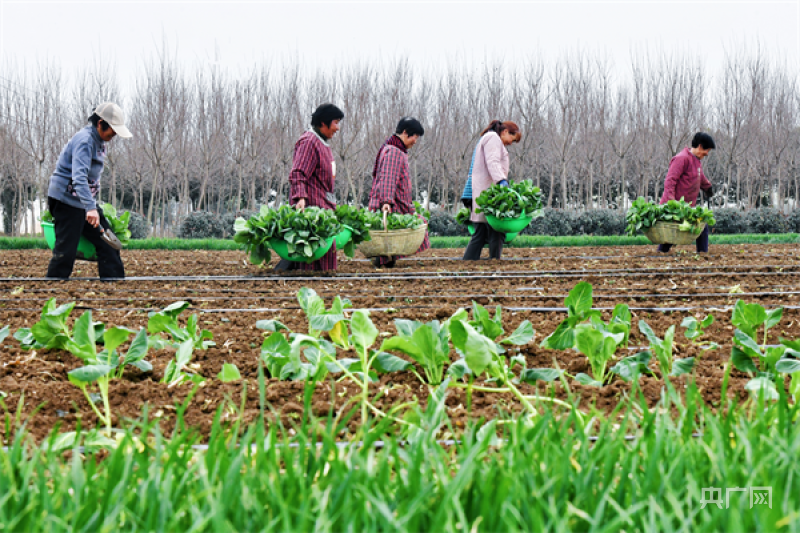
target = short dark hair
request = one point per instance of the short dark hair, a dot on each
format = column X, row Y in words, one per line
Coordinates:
column 95, row 120
column 703, row 139
column 325, row 114
column 411, row 126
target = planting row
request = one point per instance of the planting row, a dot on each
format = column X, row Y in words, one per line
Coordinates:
column 487, row 358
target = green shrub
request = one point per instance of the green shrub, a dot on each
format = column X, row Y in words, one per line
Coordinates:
column 201, row 225
column 794, row 221
column 228, row 219
column 443, row 224
column 138, row 226
column 556, row 222
column 730, row 220
column 766, row 220
column 600, row 222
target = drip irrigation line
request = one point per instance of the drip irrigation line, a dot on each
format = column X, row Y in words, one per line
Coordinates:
column 397, row 297
column 425, row 277
column 394, row 309
column 196, row 291
column 721, row 269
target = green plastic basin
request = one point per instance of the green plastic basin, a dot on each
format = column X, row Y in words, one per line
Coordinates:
column 508, row 225
column 86, row 249
column 281, row 247
column 342, row 238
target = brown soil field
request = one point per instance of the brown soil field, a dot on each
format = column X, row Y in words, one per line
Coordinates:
column 230, row 295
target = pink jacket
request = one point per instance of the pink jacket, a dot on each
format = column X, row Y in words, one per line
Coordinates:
column 490, row 167
column 685, row 178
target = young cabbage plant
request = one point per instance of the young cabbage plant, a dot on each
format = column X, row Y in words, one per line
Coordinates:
column 83, row 377
column 319, row 319
column 696, row 329
column 749, row 318
column 579, row 309
column 427, row 344
column 663, row 351
column 599, row 346
column 51, row 331
column 83, row 345
column 103, row 366
column 177, row 370
column 302, row 359
column 119, row 224
column 166, row 321
column 630, row 368
column 364, row 335
column 3, row 333
column 481, row 356
column 483, row 322
column 620, row 322
column 776, row 361
column 790, row 364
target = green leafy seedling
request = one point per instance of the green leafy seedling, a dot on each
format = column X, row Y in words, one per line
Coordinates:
column 663, row 350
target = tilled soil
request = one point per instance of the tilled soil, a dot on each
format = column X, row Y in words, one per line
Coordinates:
column 230, row 296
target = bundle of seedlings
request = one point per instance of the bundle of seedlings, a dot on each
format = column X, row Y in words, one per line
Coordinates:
column 300, row 236
column 355, row 228
column 675, row 222
column 510, row 209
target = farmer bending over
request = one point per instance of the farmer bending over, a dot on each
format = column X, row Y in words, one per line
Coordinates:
column 391, row 181
column 313, row 176
column 71, row 196
column 685, row 178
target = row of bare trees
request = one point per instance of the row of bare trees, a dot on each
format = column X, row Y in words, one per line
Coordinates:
column 594, row 134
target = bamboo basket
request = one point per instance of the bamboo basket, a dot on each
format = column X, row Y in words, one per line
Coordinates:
column 668, row 233
column 396, row 242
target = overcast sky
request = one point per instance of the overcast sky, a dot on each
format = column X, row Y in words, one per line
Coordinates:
column 429, row 34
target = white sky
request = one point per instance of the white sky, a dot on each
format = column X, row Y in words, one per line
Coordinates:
column 429, row 34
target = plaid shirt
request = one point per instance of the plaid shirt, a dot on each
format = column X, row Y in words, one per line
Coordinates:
column 312, row 177
column 392, row 185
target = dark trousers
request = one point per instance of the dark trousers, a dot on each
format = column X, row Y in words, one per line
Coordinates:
column 483, row 234
column 69, row 224
column 702, row 243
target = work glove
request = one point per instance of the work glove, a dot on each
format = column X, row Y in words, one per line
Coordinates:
column 708, row 193
column 504, row 183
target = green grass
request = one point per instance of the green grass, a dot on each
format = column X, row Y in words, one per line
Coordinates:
column 522, row 241
column 537, row 241
column 546, row 475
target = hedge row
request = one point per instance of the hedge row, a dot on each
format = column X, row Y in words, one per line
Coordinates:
column 555, row 222
column 604, row 222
